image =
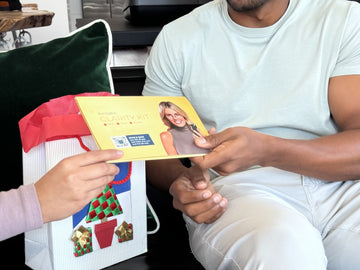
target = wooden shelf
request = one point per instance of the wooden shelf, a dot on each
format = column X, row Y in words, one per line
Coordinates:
column 17, row 20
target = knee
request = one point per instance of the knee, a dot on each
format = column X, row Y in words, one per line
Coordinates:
column 277, row 246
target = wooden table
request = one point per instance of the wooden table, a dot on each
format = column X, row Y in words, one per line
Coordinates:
column 18, row 20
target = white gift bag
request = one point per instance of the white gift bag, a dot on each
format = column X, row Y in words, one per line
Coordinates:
column 110, row 229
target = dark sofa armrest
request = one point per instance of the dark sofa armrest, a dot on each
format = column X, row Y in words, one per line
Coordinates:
column 128, row 80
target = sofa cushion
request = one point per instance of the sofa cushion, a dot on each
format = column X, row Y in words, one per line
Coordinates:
column 79, row 62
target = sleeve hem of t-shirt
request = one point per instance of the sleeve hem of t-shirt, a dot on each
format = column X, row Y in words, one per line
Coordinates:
column 345, row 72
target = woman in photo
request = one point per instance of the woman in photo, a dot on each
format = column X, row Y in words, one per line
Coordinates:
column 179, row 138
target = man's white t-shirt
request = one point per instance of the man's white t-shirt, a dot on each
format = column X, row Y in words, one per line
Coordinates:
column 272, row 79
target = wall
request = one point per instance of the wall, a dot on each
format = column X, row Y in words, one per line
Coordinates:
column 66, row 13
column 75, row 12
column 60, row 23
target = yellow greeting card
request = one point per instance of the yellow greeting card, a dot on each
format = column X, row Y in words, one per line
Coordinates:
column 143, row 127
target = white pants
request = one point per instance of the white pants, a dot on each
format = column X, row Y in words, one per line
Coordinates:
column 281, row 221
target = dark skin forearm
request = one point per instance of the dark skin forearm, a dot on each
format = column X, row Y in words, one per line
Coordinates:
column 335, row 157
column 162, row 173
column 191, row 189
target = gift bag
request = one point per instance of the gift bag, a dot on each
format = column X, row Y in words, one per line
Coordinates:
column 112, row 227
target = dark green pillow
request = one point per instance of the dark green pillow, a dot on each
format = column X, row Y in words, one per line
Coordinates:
column 32, row 75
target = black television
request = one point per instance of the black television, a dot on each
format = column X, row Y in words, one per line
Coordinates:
column 158, row 12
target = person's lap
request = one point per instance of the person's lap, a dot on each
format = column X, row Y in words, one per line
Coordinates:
column 280, row 220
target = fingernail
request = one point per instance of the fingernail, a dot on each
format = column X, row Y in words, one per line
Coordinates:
column 201, row 140
column 201, row 184
column 217, row 198
column 223, row 202
column 206, row 194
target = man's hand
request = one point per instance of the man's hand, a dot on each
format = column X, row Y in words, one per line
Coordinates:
column 194, row 195
column 234, row 149
column 74, row 182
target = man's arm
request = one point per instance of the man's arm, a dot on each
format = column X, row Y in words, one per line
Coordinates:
column 193, row 194
column 335, row 157
column 162, row 173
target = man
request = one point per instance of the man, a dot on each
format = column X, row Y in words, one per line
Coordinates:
column 277, row 83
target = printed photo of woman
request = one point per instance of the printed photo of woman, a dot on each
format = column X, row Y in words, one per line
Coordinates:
column 179, row 137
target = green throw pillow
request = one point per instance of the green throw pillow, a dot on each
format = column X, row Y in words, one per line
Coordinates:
column 30, row 76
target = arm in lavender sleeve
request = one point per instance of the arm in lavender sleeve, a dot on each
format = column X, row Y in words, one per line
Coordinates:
column 19, row 211
column 78, row 179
